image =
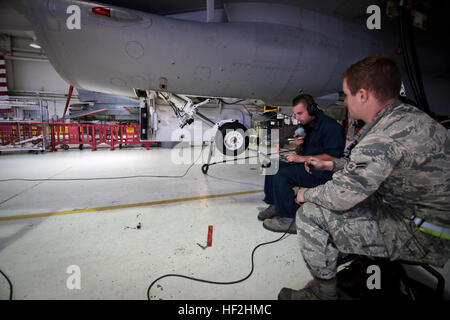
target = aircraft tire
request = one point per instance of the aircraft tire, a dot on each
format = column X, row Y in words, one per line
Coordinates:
column 232, row 139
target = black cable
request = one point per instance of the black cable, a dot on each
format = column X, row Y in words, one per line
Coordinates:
column 125, row 177
column 424, row 102
column 218, row 282
column 240, row 182
column 405, row 55
column 410, row 67
column 106, row 178
column 229, row 160
column 99, row 178
column 248, row 157
column 10, row 285
column 413, row 71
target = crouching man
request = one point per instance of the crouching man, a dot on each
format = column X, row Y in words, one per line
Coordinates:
column 390, row 197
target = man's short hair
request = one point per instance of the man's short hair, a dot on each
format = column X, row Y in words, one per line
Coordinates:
column 377, row 73
column 307, row 99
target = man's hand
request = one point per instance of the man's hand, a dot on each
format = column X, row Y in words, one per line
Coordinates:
column 292, row 157
column 300, row 195
column 314, row 163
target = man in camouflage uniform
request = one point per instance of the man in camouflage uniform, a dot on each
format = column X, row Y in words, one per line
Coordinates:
column 390, row 197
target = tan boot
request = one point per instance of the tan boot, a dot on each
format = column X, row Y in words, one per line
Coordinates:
column 316, row 289
column 267, row 213
column 280, row 224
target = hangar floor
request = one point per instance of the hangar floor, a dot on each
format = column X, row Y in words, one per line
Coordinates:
column 47, row 227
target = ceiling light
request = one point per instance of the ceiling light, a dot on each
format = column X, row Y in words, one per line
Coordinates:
column 34, row 45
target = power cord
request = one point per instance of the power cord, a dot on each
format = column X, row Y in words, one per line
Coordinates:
column 127, row 177
column 248, row 157
column 10, row 285
column 107, row 178
column 217, row 282
column 100, row 178
column 90, row 179
column 124, row 177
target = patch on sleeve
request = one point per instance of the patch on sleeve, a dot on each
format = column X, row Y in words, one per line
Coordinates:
column 352, row 166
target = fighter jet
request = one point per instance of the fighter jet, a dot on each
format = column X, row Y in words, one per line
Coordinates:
column 252, row 53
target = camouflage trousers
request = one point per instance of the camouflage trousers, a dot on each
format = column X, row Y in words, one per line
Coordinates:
column 370, row 229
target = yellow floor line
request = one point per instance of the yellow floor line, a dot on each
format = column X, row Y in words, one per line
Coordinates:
column 124, row 206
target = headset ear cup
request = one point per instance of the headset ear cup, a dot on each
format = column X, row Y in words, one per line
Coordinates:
column 315, row 109
column 311, row 105
column 312, row 108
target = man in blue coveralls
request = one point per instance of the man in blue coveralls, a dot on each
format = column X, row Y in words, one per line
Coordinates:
column 325, row 140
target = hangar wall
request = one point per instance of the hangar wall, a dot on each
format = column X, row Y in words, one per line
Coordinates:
column 29, row 72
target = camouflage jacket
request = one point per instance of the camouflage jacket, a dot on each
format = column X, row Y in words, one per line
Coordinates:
column 402, row 158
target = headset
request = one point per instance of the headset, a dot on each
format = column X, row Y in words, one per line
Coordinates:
column 311, row 106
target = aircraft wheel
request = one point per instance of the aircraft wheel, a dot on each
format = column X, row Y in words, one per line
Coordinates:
column 232, row 138
column 205, row 168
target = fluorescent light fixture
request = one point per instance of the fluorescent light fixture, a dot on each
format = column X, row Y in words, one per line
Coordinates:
column 35, row 45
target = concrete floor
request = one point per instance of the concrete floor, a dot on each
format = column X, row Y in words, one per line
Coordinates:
column 118, row 261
